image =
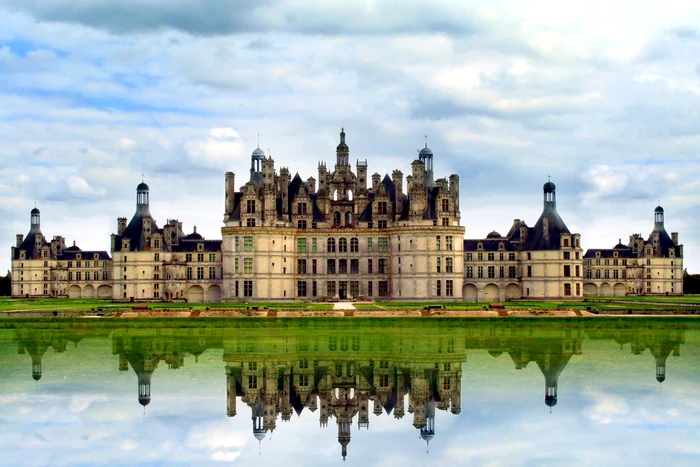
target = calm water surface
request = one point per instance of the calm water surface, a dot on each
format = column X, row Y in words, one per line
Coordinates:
column 372, row 392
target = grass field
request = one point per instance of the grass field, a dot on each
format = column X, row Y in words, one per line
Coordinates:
column 594, row 303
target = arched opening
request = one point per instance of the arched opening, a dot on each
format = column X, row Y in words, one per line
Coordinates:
column 88, row 292
column 336, row 218
column 469, row 293
column 619, row 290
column 491, row 293
column 74, row 291
column 590, row 290
column 104, row 291
column 605, row 290
column 335, row 195
column 214, row 294
column 350, row 195
column 195, row 294
column 513, row 292
column 348, row 219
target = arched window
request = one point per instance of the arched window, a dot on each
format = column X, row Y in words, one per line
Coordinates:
column 348, row 219
column 350, row 195
column 343, row 245
column 331, row 245
column 336, row 218
column 335, row 195
column 354, row 245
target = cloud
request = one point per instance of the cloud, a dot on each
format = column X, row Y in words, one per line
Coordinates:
column 218, row 149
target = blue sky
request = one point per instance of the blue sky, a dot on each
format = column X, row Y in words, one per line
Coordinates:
column 603, row 97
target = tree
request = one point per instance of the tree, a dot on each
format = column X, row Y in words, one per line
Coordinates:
column 6, row 285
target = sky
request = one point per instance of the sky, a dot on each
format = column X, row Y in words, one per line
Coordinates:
column 611, row 411
column 604, row 97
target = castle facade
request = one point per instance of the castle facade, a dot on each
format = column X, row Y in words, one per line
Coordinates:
column 345, row 236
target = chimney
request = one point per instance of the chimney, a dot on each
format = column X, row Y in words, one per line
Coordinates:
column 121, row 225
column 20, row 239
column 674, row 237
column 375, row 181
column 230, row 189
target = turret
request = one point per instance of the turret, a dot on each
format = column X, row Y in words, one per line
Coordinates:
column 375, row 181
column 256, row 159
column 35, row 220
column 397, row 178
column 311, row 184
column 426, row 157
column 418, row 172
column 121, row 225
column 142, row 200
column 20, row 239
column 361, row 176
column 342, row 152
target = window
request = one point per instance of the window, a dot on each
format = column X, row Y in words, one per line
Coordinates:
column 313, row 266
column 449, row 288
column 212, row 272
column 382, row 208
column 247, row 265
column 188, row 257
column 597, row 273
column 342, row 266
column 529, row 256
column 490, row 256
column 354, row 288
column 616, row 274
column 578, row 271
column 105, row 275
column 301, row 288
column 624, row 274
column 437, row 243
column 567, row 271
column 301, row 266
column 607, row 274
column 382, row 224
column 448, row 265
column 336, row 218
column 301, row 224
column 95, row 276
column 236, row 244
column 607, row 262
column 236, row 265
column 512, row 272
column 529, row 271
column 247, row 288
column 189, row 273
column 445, row 221
column 383, row 288
column 343, row 245
column 624, row 262
column 330, row 288
column 470, row 257
column 370, row 290
column 369, row 245
column 589, row 274
column 500, row 255
column 250, row 222
column 200, row 273
column 480, row 272
column 301, row 245
column 250, row 206
column 314, row 289
column 479, row 256
column 445, row 204
column 313, row 245
column 301, row 208
column 438, row 288
column 511, row 256
column 567, row 289
column 448, row 243
column 78, row 264
column 438, row 265
column 383, row 266
column 355, row 267
column 70, row 275
column 491, row 272
column 212, row 257
column 331, row 245
column 566, row 243
column 70, row 263
column 567, row 254
column 501, row 272
column 354, row 245
column 597, row 262
column 615, row 262
column 330, row 266
column 383, row 245
column 248, row 244
column 369, row 266
column 200, row 257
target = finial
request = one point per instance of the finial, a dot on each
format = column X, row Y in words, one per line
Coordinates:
column 549, row 178
column 426, row 141
column 34, row 203
column 141, row 178
column 659, row 201
column 258, row 140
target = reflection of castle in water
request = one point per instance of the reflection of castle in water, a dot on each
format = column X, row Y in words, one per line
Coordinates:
column 338, row 371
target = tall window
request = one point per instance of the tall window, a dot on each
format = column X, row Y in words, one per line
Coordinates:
column 383, row 288
column 212, row 272
column 512, row 271
column 354, row 245
column 470, row 272
column 492, row 272
column 343, row 245
column 437, row 243
column 342, row 266
column 438, row 288
column 301, row 266
column 370, row 288
column 383, row 266
column 189, row 273
column 369, row 245
column 448, row 243
column 250, row 205
column 331, row 245
column 200, row 257
column 313, row 266
column 369, row 266
column 382, row 208
column 200, row 273
column 449, row 288
column 248, row 244
column 301, row 245
column 354, row 266
column 445, row 204
column 247, row 288
column 301, row 208
column 491, row 256
column 439, row 265
column 247, row 265
column 330, row 266
column 480, row 272
column 236, row 266
column 313, row 245
column 383, row 245
column 301, row 288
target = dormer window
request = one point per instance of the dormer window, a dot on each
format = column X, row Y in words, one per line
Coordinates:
column 200, row 246
column 96, row 256
column 597, row 254
column 78, row 256
column 614, row 254
column 566, row 242
column 480, row 246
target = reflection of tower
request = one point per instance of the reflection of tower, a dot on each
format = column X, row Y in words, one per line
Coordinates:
column 344, row 436
column 661, row 351
column 552, row 363
column 144, row 368
column 36, row 363
column 258, row 430
column 428, row 431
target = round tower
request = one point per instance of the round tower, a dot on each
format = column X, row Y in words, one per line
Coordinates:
column 142, row 199
column 35, row 220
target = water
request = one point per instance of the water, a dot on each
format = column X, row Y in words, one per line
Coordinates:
column 379, row 392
